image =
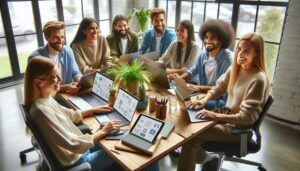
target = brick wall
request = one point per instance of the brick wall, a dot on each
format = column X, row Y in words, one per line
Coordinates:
column 286, row 85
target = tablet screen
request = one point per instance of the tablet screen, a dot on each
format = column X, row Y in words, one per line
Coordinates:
column 147, row 128
column 125, row 104
column 102, row 85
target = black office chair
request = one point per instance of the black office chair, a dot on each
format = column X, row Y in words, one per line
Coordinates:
column 44, row 150
column 227, row 151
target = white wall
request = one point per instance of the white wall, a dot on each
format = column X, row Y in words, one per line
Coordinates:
column 286, row 85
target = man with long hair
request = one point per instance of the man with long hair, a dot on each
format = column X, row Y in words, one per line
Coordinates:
column 121, row 40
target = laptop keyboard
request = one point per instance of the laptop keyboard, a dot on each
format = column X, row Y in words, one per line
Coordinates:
column 93, row 100
column 116, row 116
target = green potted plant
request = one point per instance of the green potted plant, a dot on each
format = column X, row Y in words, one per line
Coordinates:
column 142, row 17
column 130, row 76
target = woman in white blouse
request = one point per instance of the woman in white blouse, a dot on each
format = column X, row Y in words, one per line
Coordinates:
column 182, row 53
column 70, row 146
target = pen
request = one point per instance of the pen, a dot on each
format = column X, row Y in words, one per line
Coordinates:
column 113, row 150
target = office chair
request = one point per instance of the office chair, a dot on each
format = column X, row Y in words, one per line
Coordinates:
column 44, row 150
column 240, row 149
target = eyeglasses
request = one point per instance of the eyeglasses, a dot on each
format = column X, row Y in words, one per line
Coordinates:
column 52, row 78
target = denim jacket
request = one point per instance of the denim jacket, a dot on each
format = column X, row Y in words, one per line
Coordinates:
column 70, row 67
column 149, row 41
column 224, row 61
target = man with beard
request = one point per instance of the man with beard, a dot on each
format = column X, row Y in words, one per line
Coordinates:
column 61, row 54
column 121, row 40
column 157, row 39
column 217, row 36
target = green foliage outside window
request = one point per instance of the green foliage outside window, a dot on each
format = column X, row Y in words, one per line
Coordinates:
column 270, row 25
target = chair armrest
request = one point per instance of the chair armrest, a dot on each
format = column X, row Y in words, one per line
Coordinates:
column 241, row 131
column 82, row 167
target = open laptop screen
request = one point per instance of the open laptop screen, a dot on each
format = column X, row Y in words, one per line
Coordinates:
column 102, row 85
column 125, row 104
column 147, row 128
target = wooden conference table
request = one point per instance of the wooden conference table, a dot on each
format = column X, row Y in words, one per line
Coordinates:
column 183, row 132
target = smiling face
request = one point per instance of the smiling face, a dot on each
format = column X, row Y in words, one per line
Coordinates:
column 56, row 40
column 91, row 32
column 121, row 27
column 182, row 34
column 50, row 83
column 159, row 23
column 211, row 42
column 245, row 54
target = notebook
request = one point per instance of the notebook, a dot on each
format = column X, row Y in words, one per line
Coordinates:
column 86, row 81
column 143, row 133
column 158, row 73
column 192, row 114
column 124, row 108
column 97, row 97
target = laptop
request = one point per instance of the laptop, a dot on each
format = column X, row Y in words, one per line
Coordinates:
column 124, row 108
column 97, row 97
column 183, row 87
column 192, row 114
column 143, row 133
column 86, row 81
column 158, row 73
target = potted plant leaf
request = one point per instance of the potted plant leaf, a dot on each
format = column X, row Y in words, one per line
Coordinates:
column 142, row 17
column 131, row 77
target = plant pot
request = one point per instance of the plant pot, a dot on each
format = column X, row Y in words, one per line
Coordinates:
column 142, row 105
column 111, row 100
column 133, row 88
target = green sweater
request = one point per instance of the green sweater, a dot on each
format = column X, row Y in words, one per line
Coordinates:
column 92, row 54
column 115, row 44
column 247, row 97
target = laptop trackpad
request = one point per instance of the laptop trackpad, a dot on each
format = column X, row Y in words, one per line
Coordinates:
column 102, row 118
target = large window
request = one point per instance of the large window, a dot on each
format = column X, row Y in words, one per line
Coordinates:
column 21, row 25
column 262, row 16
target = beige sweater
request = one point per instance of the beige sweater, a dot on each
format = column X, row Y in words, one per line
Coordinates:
column 92, row 54
column 246, row 98
column 169, row 57
column 56, row 124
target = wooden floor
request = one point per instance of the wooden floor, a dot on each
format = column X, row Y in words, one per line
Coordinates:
column 280, row 147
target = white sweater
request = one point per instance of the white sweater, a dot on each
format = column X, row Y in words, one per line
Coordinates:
column 63, row 137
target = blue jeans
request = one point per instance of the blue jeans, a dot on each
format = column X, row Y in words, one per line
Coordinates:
column 98, row 159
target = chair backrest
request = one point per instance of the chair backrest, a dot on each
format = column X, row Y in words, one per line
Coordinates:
column 261, row 117
column 47, row 153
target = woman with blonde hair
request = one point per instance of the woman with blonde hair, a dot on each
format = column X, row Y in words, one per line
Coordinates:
column 71, row 147
column 247, row 87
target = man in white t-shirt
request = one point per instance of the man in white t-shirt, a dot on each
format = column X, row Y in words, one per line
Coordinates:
column 121, row 40
column 217, row 36
column 62, row 55
column 157, row 39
